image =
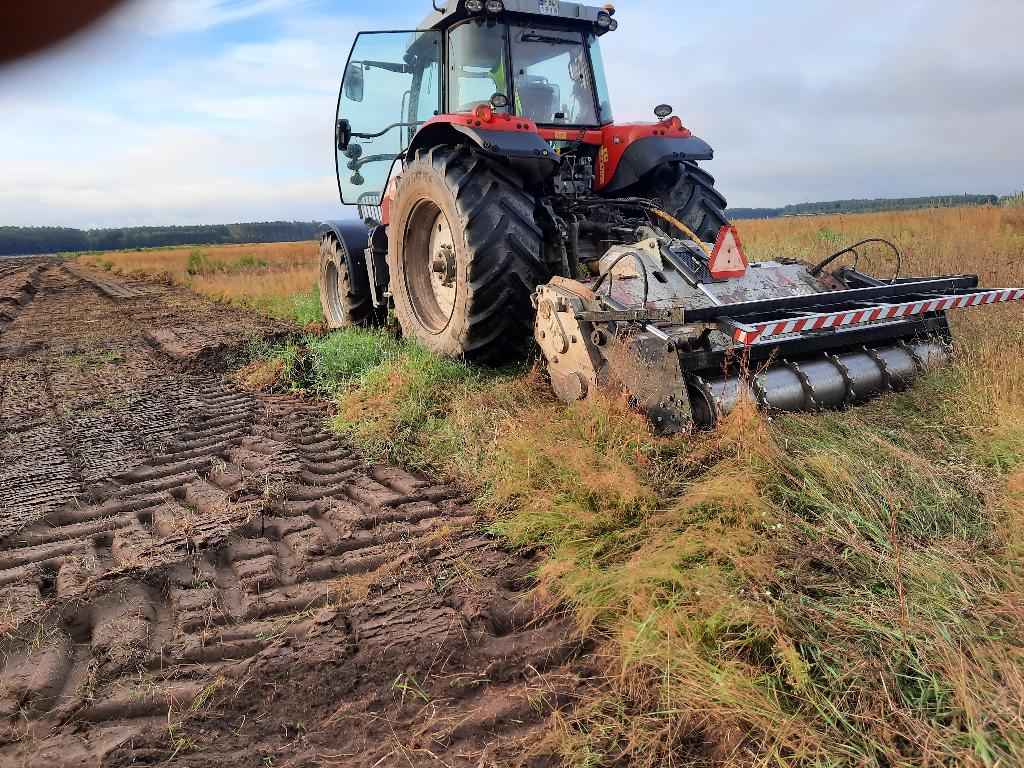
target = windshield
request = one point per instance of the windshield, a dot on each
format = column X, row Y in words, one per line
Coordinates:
column 552, row 77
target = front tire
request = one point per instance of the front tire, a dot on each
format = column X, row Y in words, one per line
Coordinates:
column 465, row 256
column 345, row 302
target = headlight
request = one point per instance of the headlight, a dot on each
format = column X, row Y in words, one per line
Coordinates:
column 613, row 26
column 495, row 6
column 604, row 19
column 474, row 6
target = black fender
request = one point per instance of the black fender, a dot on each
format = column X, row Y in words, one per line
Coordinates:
column 354, row 239
column 527, row 152
column 644, row 155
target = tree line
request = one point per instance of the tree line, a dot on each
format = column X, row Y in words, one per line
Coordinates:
column 23, row 241
column 878, row 205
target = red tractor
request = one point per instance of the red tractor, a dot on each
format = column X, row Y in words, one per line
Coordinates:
column 501, row 201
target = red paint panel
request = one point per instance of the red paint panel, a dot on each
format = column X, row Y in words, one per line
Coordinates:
column 616, row 138
column 501, row 122
column 594, row 138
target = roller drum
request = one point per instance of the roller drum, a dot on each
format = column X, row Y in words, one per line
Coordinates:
column 831, row 381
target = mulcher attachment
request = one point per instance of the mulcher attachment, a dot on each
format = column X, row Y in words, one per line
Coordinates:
column 688, row 346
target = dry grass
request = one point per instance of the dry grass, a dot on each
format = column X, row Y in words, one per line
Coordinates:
column 829, row 590
column 276, row 278
column 839, row 589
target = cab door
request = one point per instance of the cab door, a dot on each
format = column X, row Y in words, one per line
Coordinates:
column 391, row 87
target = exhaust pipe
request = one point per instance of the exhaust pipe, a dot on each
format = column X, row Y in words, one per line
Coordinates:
column 831, row 381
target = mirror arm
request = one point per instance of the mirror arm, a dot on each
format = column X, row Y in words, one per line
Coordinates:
column 390, row 66
column 381, row 133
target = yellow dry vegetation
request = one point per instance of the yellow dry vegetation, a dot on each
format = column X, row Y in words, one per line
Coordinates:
column 269, row 277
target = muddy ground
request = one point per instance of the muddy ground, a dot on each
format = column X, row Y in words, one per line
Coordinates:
column 192, row 574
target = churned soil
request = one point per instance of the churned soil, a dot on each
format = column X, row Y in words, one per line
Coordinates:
column 194, row 574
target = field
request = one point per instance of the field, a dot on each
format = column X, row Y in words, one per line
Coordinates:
column 837, row 589
column 277, row 279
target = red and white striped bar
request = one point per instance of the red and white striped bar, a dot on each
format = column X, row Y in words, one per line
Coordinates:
column 748, row 334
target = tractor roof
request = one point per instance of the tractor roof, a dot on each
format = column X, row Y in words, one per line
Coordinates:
column 547, row 11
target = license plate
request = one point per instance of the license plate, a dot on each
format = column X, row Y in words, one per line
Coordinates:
column 549, row 7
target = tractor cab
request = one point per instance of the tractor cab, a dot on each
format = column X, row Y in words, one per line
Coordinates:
column 538, row 60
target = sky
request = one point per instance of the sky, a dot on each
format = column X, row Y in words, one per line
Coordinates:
column 210, row 111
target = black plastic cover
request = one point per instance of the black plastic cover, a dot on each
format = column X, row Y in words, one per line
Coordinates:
column 354, row 239
column 644, row 155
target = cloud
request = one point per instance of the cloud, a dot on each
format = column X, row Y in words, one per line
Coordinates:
column 159, row 17
column 805, row 101
column 825, row 100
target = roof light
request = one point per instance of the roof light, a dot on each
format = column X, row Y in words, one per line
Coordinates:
column 484, row 113
column 495, row 6
column 662, row 111
column 613, row 26
column 499, row 101
column 610, row 7
column 474, row 6
column 604, row 19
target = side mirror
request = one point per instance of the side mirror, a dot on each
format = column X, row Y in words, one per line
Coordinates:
column 354, row 83
column 343, row 134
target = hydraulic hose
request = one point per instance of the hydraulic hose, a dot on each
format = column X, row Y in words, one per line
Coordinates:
column 650, row 207
column 818, row 268
column 682, row 228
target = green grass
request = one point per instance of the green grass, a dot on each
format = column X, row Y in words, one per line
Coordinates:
column 204, row 263
column 303, row 308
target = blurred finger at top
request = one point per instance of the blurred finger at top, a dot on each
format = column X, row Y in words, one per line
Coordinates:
column 29, row 26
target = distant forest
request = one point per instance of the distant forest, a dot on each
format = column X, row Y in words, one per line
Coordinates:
column 864, row 206
column 23, row 241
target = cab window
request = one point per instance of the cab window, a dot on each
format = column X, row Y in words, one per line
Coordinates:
column 390, row 87
column 552, row 77
column 604, row 99
column 477, row 68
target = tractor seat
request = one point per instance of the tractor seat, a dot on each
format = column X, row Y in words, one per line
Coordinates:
column 538, row 101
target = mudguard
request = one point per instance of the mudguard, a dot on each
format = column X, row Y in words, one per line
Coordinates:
column 644, row 155
column 515, row 140
column 354, row 239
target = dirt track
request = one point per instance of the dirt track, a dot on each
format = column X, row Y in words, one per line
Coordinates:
column 192, row 574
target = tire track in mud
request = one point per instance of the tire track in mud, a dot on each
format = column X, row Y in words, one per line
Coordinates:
column 178, row 551
column 19, row 280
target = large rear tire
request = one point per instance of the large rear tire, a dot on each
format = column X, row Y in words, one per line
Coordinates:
column 688, row 193
column 465, row 256
column 345, row 301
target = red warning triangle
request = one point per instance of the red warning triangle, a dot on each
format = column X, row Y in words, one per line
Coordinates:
column 728, row 259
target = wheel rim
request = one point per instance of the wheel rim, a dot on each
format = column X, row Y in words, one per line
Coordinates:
column 334, row 310
column 430, row 266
